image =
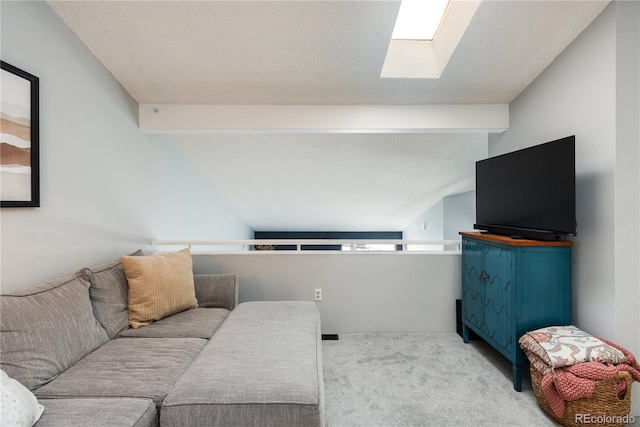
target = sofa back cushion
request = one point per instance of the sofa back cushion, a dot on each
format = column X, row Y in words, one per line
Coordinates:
column 46, row 329
column 109, row 295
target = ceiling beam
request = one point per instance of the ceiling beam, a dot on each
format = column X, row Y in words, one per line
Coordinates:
column 492, row 118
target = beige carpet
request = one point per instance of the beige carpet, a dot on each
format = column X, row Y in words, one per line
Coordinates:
column 423, row 380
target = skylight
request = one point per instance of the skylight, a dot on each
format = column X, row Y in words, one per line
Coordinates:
column 419, row 19
column 418, row 53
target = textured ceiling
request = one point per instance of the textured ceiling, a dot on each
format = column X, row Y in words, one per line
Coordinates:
column 313, row 52
column 331, row 182
column 321, row 52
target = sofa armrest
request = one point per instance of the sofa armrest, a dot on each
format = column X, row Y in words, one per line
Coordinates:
column 216, row 290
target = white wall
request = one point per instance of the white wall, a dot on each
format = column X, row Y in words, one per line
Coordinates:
column 576, row 95
column 591, row 90
column 185, row 205
column 106, row 187
column 459, row 214
column 361, row 292
column 428, row 226
column 444, row 220
column 627, row 182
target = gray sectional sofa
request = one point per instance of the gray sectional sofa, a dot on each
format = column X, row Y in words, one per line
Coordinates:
column 256, row 363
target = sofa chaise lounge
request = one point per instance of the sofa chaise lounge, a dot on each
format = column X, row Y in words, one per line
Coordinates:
column 222, row 363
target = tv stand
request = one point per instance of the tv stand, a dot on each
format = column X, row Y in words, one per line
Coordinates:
column 513, row 286
column 522, row 233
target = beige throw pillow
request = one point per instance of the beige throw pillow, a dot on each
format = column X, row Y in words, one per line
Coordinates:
column 159, row 285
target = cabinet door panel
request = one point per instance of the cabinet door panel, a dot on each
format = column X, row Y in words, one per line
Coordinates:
column 511, row 288
column 473, row 308
column 499, row 293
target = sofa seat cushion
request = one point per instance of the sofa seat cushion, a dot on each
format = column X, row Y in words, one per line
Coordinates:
column 263, row 367
column 143, row 368
column 46, row 329
column 194, row 323
column 105, row 412
column 109, row 293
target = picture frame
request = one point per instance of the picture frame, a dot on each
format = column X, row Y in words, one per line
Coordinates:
column 19, row 138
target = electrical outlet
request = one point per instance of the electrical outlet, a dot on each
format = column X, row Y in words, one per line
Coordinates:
column 318, row 295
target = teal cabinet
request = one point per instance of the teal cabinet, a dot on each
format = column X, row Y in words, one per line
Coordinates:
column 510, row 287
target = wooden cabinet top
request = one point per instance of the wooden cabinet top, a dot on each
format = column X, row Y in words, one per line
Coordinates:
column 505, row 240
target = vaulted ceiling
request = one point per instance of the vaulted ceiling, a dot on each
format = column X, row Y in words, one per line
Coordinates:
column 321, row 52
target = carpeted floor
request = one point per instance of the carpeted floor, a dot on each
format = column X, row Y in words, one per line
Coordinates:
column 423, row 380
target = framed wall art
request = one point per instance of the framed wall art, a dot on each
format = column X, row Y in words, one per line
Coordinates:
column 19, row 138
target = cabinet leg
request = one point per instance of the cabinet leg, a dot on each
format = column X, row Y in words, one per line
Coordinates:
column 465, row 334
column 517, row 377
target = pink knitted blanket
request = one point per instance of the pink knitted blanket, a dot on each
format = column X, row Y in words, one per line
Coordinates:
column 579, row 380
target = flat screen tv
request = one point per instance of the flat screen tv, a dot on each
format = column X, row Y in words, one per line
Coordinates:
column 529, row 193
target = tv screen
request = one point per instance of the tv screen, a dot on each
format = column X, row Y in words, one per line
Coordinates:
column 528, row 193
